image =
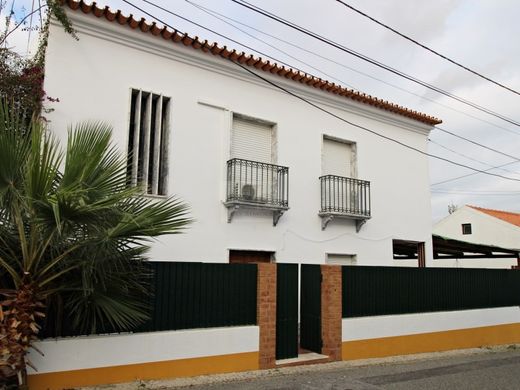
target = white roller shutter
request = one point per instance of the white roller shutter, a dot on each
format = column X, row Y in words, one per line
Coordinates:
column 341, row 259
column 337, row 158
column 251, row 140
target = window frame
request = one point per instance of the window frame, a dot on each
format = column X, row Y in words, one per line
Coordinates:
column 465, row 227
column 157, row 150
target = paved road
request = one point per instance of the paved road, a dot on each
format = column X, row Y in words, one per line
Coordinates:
column 493, row 370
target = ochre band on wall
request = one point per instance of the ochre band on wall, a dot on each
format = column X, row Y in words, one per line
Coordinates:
column 431, row 342
column 153, row 370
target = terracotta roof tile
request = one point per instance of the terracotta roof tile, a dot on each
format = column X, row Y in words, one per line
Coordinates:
column 508, row 216
column 176, row 37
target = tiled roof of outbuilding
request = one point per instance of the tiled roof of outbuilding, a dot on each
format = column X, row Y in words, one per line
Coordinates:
column 243, row 58
column 507, row 216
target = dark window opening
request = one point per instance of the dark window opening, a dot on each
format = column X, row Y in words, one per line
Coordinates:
column 409, row 250
column 466, row 228
column 248, row 257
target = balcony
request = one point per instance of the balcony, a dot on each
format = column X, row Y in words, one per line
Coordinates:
column 252, row 184
column 344, row 197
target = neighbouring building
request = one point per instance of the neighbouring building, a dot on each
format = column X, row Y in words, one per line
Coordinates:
column 478, row 225
column 268, row 177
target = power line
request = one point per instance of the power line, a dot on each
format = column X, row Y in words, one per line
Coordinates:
column 473, row 159
column 476, row 143
column 224, row 36
column 213, row 13
column 472, row 174
column 372, row 61
column 444, row 57
column 204, row 9
column 208, row 29
column 40, row 12
column 30, row 26
column 477, row 193
column 221, row 18
column 319, row 107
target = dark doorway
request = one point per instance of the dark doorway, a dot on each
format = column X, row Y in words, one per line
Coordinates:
column 409, row 250
column 310, row 311
column 248, row 257
column 286, row 311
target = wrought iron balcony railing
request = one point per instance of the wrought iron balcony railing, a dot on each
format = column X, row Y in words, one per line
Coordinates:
column 344, row 196
column 257, row 183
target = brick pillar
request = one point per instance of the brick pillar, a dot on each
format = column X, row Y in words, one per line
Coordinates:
column 331, row 311
column 266, row 314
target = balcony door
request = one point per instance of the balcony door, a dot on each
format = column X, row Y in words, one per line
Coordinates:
column 253, row 141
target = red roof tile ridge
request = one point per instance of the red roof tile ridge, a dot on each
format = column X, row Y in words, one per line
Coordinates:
column 507, row 216
column 243, row 58
column 494, row 210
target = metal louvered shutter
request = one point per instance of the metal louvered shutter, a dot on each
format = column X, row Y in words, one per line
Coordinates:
column 251, row 140
column 337, row 158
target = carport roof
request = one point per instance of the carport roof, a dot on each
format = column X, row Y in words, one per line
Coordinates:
column 449, row 248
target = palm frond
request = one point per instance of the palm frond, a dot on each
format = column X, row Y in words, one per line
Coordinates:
column 72, row 228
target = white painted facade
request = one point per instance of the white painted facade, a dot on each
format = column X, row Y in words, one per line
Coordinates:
column 93, row 78
column 485, row 229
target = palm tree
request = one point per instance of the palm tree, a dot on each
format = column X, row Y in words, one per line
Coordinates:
column 73, row 235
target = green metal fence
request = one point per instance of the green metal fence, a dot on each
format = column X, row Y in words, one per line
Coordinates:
column 202, row 295
column 371, row 291
column 186, row 296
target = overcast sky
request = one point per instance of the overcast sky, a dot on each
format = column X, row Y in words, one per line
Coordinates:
column 483, row 35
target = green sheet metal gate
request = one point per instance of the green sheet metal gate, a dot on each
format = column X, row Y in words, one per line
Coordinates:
column 287, row 309
column 310, row 308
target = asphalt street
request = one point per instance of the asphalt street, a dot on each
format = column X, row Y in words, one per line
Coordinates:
column 493, row 370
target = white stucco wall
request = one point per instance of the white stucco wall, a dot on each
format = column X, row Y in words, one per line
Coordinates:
column 93, row 77
column 363, row 328
column 75, row 353
column 486, row 230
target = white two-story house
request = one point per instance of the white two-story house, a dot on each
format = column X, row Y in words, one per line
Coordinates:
column 268, row 177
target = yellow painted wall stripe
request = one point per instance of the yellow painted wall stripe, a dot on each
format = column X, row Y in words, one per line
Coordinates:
column 431, row 342
column 154, row 370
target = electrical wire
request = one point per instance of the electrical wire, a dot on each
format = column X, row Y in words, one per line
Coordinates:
column 213, row 13
column 213, row 31
column 444, row 57
column 30, row 26
column 477, row 193
column 207, row 29
column 474, row 159
column 221, row 18
column 471, row 174
column 372, row 61
column 40, row 12
column 476, row 143
column 273, row 84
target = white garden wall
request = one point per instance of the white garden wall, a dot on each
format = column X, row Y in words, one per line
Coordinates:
column 362, row 328
column 372, row 337
column 104, row 359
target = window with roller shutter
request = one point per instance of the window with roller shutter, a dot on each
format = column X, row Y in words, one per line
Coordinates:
column 252, row 140
column 253, row 178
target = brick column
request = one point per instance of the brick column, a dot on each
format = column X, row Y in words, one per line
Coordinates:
column 266, row 314
column 331, row 311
